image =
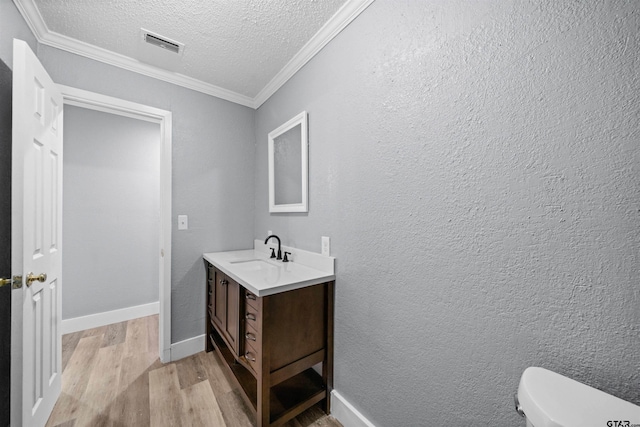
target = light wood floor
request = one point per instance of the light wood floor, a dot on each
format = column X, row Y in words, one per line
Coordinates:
column 112, row 376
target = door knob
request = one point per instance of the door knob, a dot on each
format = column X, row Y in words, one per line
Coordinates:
column 16, row 280
column 32, row 278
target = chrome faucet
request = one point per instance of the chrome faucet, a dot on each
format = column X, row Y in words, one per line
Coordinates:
column 279, row 251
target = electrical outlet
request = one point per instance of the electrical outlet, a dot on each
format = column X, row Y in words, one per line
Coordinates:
column 183, row 222
column 326, row 246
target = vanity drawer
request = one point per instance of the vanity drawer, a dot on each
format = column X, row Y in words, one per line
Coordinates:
column 252, row 317
column 252, row 337
column 252, row 357
column 251, row 299
column 210, row 300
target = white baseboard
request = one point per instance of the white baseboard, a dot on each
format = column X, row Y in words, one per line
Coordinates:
column 108, row 317
column 185, row 348
column 344, row 412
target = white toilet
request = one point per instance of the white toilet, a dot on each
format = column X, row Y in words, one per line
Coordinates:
column 547, row 399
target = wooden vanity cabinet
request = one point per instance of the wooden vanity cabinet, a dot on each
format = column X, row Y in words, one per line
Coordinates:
column 224, row 306
column 281, row 337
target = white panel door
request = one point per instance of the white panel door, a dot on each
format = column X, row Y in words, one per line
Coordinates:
column 36, row 247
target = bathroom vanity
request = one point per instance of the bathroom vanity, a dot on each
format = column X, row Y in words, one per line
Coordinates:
column 271, row 323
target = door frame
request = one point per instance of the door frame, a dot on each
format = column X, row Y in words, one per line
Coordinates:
column 107, row 104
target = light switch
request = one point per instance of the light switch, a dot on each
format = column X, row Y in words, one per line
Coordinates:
column 183, row 222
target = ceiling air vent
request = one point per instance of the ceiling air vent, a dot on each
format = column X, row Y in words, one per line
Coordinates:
column 162, row 42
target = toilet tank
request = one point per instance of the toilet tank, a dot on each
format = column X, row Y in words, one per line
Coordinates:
column 552, row 400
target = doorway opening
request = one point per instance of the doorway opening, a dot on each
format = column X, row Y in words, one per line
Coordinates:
column 97, row 102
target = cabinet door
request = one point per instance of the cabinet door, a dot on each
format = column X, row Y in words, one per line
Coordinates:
column 232, row 325
column 219, row 303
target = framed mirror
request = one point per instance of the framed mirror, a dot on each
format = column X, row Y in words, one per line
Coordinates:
column 288, row 166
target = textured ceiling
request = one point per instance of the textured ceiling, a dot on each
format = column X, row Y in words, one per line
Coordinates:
column 238, row 45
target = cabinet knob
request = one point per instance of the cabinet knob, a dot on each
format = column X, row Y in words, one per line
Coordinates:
column 250, row 316
column 250, row 336
column 246, row 355
column 250, row 296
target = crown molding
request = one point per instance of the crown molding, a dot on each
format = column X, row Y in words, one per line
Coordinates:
column 338, row 22
column 347, row 13
column 36, row 23
column 31, row 14
column 60, row 41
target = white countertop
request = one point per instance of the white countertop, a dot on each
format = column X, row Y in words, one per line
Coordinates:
column 258, row 273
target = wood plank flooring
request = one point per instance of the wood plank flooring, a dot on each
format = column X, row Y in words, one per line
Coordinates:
column 112, row 376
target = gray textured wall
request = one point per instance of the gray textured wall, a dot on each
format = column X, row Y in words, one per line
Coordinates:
column 111, row 212
column 476, row 165
column 12, row 25
column 213, row 183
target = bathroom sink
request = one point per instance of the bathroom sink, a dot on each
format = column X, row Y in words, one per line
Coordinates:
column 249, row 261
column 255, row 271
column 253, row 264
